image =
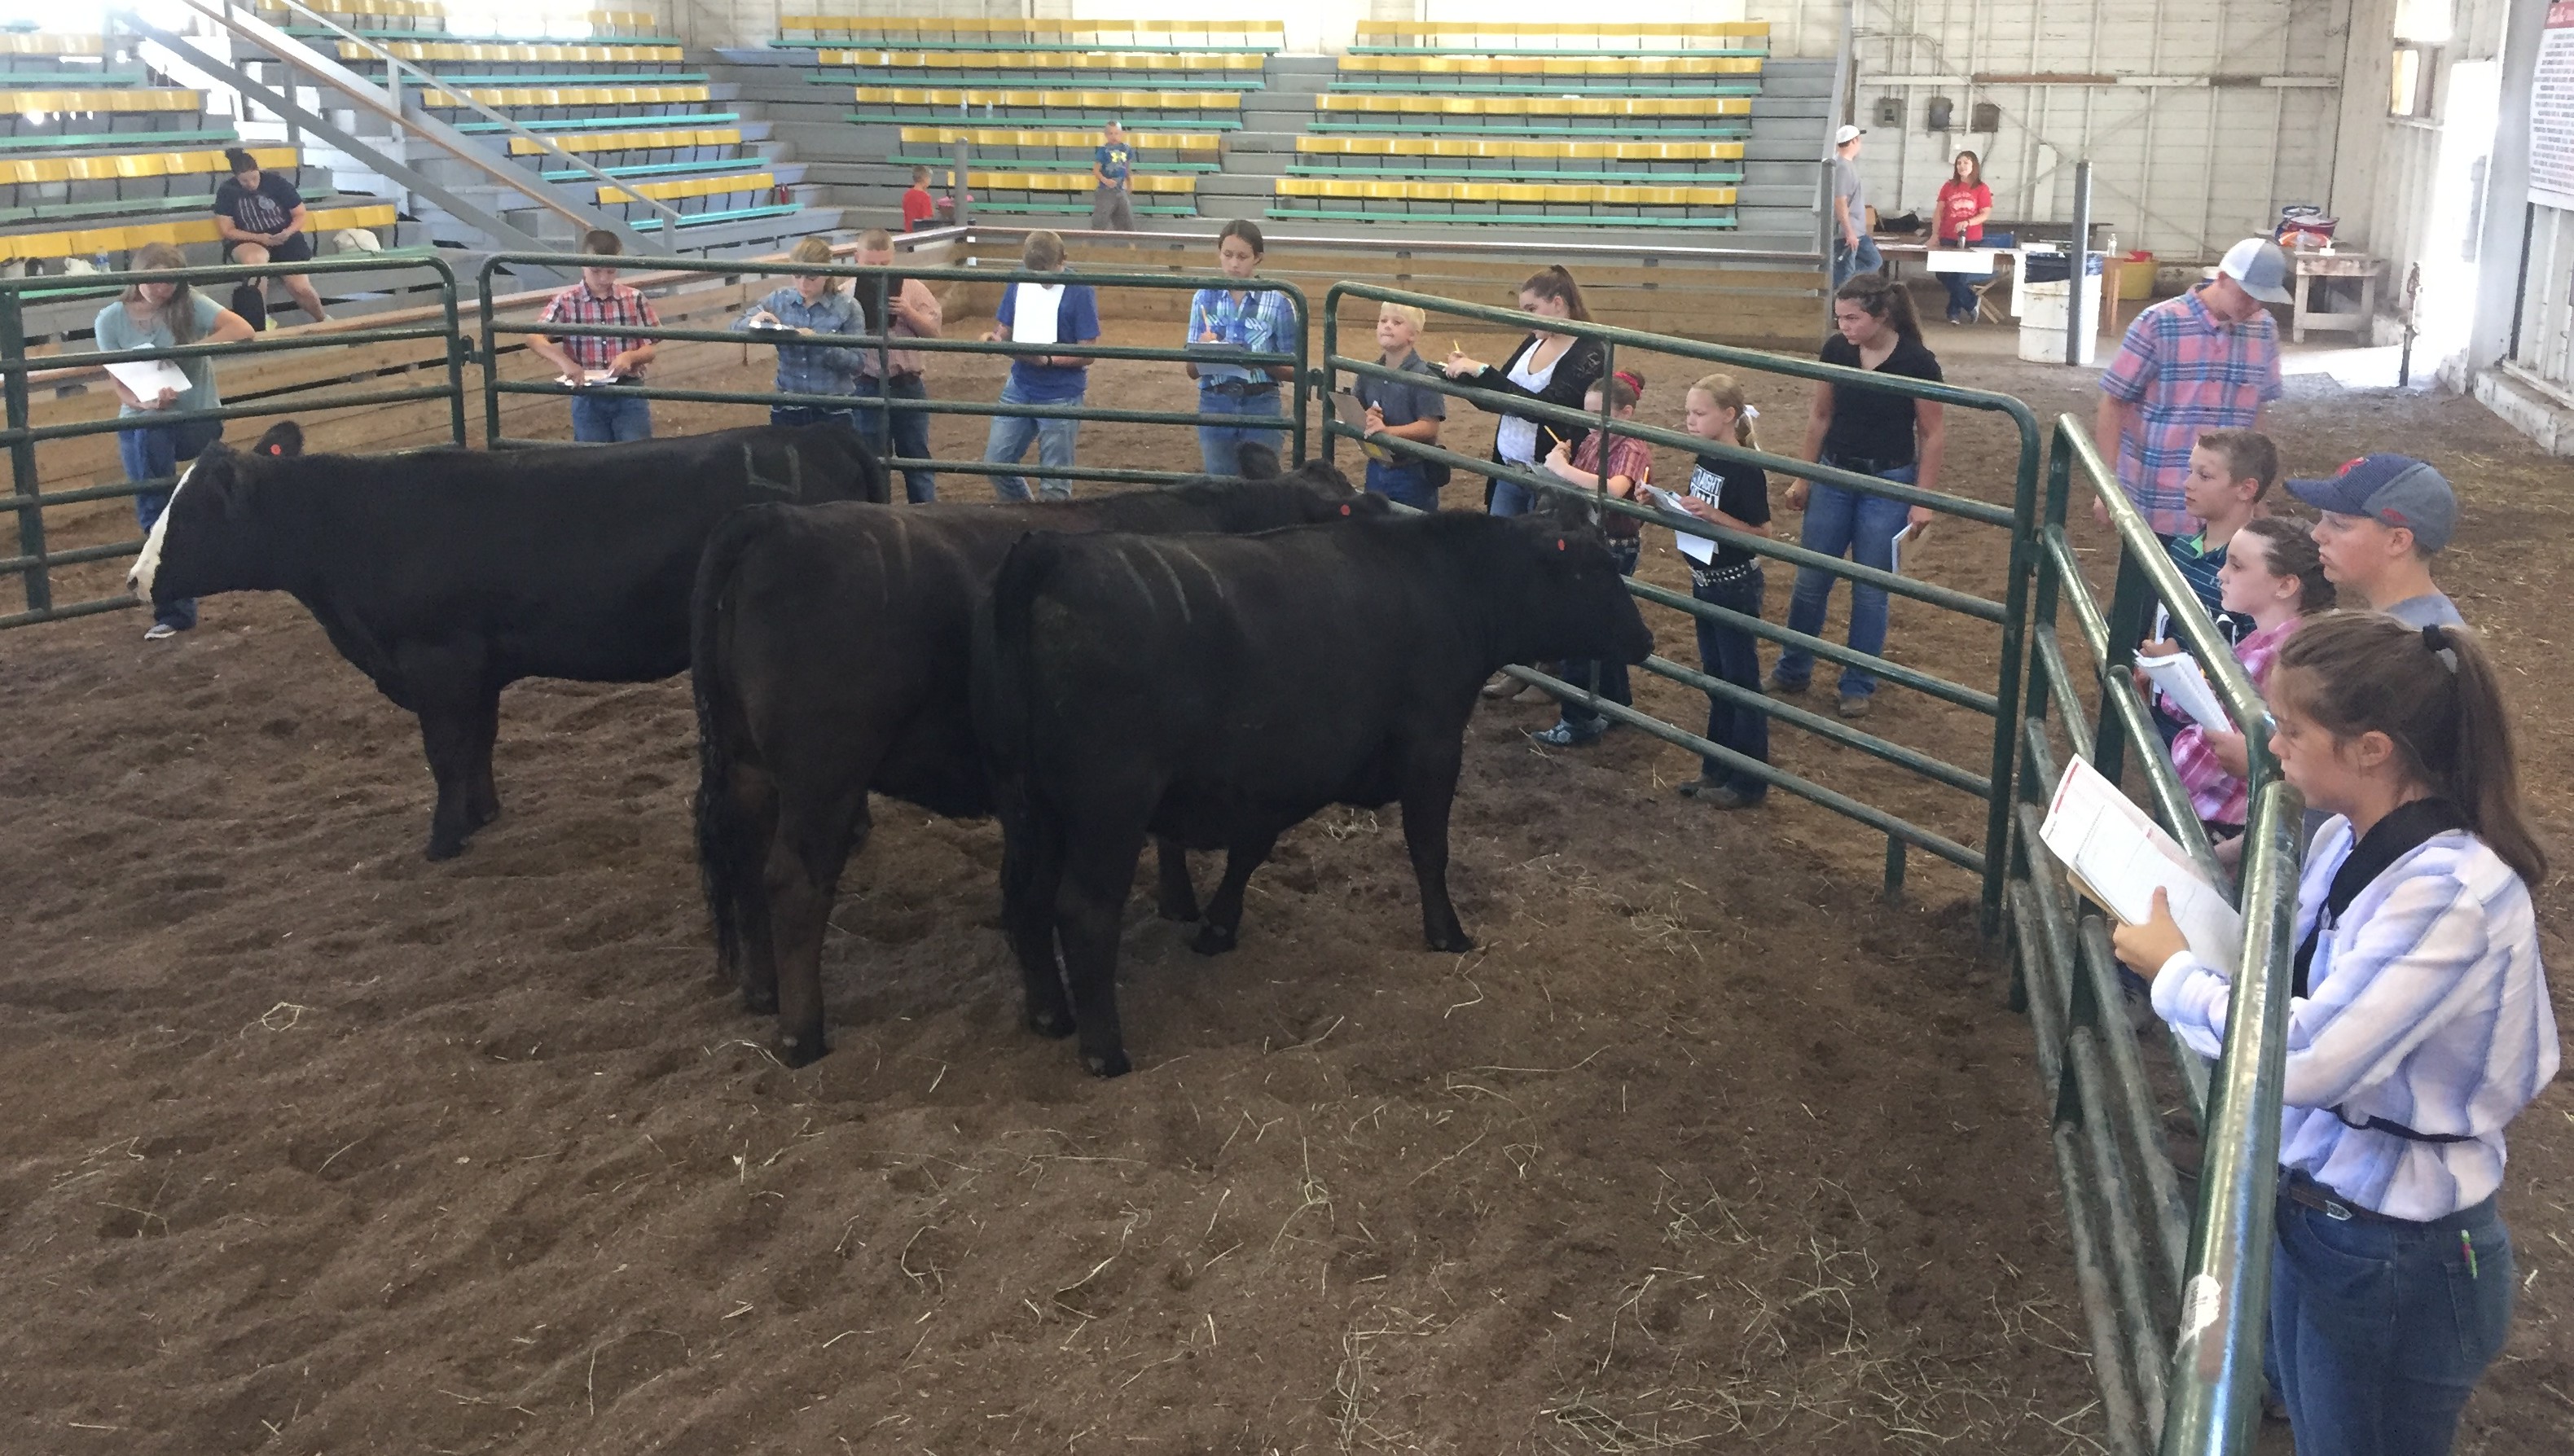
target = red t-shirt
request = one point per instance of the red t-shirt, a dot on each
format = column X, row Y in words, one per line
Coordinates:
column 1959, row 201
column 916, row 208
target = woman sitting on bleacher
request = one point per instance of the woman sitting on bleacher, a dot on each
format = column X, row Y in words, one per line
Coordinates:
column 165, row 316
column 1555, row 368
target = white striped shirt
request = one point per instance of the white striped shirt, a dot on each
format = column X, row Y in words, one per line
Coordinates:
column 2428, row 1008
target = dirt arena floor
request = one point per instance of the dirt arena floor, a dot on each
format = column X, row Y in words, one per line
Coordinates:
column 319, row 1148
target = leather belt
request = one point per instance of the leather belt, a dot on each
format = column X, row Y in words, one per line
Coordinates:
column 2307, row 1194
column 1238, row 389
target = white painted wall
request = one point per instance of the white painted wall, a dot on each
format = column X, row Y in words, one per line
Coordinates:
column 2202, row 118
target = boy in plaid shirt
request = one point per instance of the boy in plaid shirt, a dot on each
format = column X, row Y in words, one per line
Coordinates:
column 2208, row 360
column 600, row 299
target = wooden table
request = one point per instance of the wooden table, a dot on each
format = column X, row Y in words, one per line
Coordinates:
column 2311, row 264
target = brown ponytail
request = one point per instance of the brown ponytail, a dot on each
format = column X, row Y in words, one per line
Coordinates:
column 2433, row 693
column 1553, row 281
column 1884, row 299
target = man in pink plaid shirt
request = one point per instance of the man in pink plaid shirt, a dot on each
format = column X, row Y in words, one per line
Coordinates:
column 600, row 299
column 2208, row 360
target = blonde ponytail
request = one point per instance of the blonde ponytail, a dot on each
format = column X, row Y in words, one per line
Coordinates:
column 1728, row 394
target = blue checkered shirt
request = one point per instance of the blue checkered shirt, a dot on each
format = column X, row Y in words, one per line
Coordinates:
column 1262, row 321
column 805, row 369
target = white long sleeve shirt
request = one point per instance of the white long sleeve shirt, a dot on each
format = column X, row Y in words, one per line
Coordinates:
column 2427, row 1008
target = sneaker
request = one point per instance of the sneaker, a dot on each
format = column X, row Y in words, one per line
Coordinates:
column 1718, row 796
column 1854, row 705
column 1786, row 687
column 160, row 632
column 1565, row 735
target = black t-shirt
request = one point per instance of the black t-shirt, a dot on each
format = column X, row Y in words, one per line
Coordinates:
column 265, row 209
column 1874, row 426
column 1741, row 491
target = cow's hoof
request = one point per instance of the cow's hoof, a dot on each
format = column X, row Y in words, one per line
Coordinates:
column 1456, row 943
column 1210, row 940
column 482, row 817
column 1050, row 1023
column 801, row 1051
column 759, row 1003
column 446, row 848
column 1180, row 910
column 1112, row 1064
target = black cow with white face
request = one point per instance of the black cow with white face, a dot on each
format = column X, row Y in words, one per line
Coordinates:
column 1216, row 691
column 446, row 575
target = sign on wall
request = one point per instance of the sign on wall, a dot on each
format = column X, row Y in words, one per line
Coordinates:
column 2551, row 112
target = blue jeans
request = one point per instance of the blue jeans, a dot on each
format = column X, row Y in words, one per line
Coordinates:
column 1009, row 441
column 2380, row 1330
column 1848, row 523
column 1962, row 292
column 1733, row 655
column 1849, row 262
column 153, row 454
column 1222, row 444
column 1406, row 484
column 1605, row 677
column 606, row 419
column 1510, row 497
column 910, row 435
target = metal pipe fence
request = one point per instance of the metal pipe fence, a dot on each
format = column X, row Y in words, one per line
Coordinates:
column 35, row 560
column 2148, row 1262
column 882, row 284
column 1989, row 787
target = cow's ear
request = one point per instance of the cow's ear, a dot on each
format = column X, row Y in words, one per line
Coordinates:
column 213, row 476
column 284, row 438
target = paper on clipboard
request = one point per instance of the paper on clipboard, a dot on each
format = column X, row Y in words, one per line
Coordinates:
column 1894, row 547
column 2118, row 857
column 1696, row 547
column 1034, row 311
column 588, row 378
column 2178, row 676
column 147, row 378
column 1347, row 408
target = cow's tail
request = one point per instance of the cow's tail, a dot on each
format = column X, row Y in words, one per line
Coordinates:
column 729, row 856
column 1004, row 720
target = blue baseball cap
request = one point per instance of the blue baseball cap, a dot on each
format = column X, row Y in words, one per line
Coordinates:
column 2397, row 490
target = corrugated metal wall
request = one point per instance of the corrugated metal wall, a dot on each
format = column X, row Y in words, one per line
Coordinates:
column 2546, row 346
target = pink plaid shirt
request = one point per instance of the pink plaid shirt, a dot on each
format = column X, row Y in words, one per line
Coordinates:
column 577, row 305
column 2217, row 796
column 2185, row 372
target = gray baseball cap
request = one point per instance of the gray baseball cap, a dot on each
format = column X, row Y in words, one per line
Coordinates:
column 2262, row 268
column 2397, row 490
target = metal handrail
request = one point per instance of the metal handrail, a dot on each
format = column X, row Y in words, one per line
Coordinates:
column 1672, row 253
column 388, row 103
column 2200, row 1397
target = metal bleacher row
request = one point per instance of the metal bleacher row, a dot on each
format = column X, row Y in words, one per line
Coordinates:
column 620, row 98
column 98, row 160
column 1632, row 125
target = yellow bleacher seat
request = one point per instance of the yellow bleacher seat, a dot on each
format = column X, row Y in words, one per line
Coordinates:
column 111, row 168
column 1156, row 100
column 1070, row 32
column 1467, row 33
column 570, row 95
column 458, row 51
column 377, row 9
column 1537, row 105
column 1478, row 146
column 1039, row 60
column 1181, row 142
column 631, row 141
column 73, row 103
column 1074, row 182
column 1402, row 191
column 51, row 45
column 640, row 21
column 89, row 241
column 688, row 187
column 1445, row 65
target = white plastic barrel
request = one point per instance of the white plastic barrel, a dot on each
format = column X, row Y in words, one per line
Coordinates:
column 2041, row 320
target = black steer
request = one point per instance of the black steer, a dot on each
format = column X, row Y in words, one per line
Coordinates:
column 447, row 574
column 1216, row 692
column 831, row 661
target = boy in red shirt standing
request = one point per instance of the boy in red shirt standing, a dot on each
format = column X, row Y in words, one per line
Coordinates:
column 918, row 205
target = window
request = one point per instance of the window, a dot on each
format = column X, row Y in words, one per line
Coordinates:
column 2415, row 67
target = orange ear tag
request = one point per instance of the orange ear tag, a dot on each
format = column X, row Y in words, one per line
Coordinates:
column 1345, row 510
column 1558, row 544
